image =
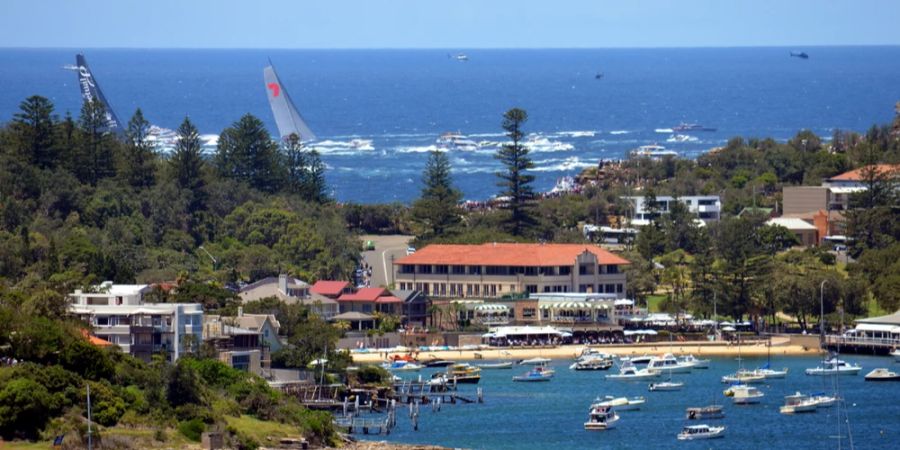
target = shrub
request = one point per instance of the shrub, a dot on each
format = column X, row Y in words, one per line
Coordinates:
column 192, row 429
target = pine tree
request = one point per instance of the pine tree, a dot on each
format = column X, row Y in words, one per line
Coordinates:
column 33, row 128
column 187, row 165
column 315, row 187
column 246, row 153
column 138, row 168
column 436, row 212
column 296, row 162
column 516, row 183
column 95, row 158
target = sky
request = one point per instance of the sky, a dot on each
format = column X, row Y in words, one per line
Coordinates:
column 447, row 24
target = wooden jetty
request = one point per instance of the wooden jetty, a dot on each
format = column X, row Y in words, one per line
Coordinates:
column 860, row 345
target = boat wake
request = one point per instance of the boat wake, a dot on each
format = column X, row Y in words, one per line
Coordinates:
column 664, row 130
column 618, row 132
column 561, row 164
column 576, row 134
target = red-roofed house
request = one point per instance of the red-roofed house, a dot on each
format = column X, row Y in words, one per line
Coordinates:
column 369, row 300
column 331, row 289
column 857, row 177
column 496, row 269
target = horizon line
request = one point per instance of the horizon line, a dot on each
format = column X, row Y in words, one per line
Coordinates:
column 673, row 47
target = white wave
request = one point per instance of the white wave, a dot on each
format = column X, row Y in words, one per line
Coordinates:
column 682, row 138
column 421, row 149
column 487, row 135
column 566, row 164
column 617, row 132
column 577, row 134
column 664, row 130
column 350, row 147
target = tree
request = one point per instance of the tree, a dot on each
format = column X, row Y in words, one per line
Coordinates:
column 187, row 165
column 138, row 168
column 515, row 181
column 305, row 171
column 95, row 158
column 315, row 188
column 246, row 153
column 436, row 211
column 33, row 129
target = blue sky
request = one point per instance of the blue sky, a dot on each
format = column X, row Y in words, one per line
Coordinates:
column 446, row 23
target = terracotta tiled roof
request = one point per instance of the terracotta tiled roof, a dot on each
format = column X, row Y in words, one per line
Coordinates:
column 369, row 294
column 329, row 287
column 501, row 254
column 857, row 174
column 388, row 299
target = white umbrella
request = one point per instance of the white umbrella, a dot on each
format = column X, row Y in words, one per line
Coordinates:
column 565, row 334
column 728, row 329
column 488, row 335
column 650, row 332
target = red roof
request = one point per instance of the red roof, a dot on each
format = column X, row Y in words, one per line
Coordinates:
column 388, row 299
column 501, row 254
column 329, row 288
column 858, row 174
column 369, row 294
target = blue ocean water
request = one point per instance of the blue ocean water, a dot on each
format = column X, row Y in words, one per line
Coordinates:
column 402, row 100
column 525, row 416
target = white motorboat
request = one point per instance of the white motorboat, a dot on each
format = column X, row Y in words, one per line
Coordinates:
column 592, row 363
column 668, row 364
column 620, row 403
column 743, row 377
column 896, row 354
column 696, row 432
column 882, row 374
column 402, row 366
column 746, row 395
column 653, row 151
column 798, row 403
column 638, row 360
column 536, row 374
column 601, row 418
column 695, row 363
column 705, row 412
column 666, row 386
column 835, row 366
column 769, row 374
column 823, row 401
column 494, row 366
column 456, row 141
column 629, row 372
column 534, row 361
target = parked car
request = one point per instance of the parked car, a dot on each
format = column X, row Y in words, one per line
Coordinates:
column 410, row 250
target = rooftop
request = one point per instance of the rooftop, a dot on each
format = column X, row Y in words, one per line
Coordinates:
column 325, row 287
column 890, row 319
column 859, row 174
column 504, row 254
column 369, row 294
column 791, row 223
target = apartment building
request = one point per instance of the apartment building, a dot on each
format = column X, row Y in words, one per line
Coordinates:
column 495, row 270
column 707, row 208
column 118, row 314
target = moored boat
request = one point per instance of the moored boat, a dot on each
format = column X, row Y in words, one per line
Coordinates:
column 896, row 354
column 535, row 374
column 620, row 403
column 592, row 364
column 798, row 403
column 696, row 432
column 823, row 401
column 743, row 377
column 638, row 360
column 601, row 418
column 495, row 366
column 835, row 366
column 629, row 372
column 882, row 374
column 666, row 386
column 746, row 395
column 705, row 412
column 463, row 373
column 668, row 364
column 534, row 361
column 694, row 362
column 437, row 363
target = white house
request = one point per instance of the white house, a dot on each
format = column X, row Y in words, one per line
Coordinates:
column 707, row 208
column 118, row 314
column 290, row 290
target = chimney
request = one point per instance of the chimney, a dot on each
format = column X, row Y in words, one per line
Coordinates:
column 282, row 284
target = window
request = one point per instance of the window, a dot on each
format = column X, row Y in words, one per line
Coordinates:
column 528, row 313
column 367, row 307
column 443, row 288
column 493, row 290
column 407, row 268
column 612, row 268
column 512, row 288
column 477, row 290
column 496, row 270
column 425, row 268
column 474, row 270
column 585, row 269
column 531, row 271
column 102, row 320
column 619, row 288
column 548, row 271
column 443, row 270
column 458, row 270
column 241, row 362
column 546, row 288
column 468, row 289
column 565, row 270
column 609, row 288
column 531, row 288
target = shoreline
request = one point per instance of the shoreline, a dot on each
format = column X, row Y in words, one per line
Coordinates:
column 697, row 348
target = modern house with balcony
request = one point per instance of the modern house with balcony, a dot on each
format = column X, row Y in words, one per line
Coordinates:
column 707, row 208
column 290, row 290
column 497, row 270
column 237, row 346
column 117, row 313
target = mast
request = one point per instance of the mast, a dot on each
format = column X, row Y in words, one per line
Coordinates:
column 287, row 118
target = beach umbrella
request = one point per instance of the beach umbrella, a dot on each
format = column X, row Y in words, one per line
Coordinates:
column 729, row 328
column 565, row 334
column 488, row 335
column 629, row 332
column 650, row 332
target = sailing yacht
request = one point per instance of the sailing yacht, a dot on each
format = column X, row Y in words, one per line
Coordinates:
column 90, row 91
column 287, row 118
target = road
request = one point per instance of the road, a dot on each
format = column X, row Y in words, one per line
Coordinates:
column 380, row 260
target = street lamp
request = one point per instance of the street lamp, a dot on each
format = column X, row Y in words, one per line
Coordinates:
column 213, row 258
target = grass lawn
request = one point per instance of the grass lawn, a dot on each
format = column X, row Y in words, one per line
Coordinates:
column 261, row 431
column 654, row 301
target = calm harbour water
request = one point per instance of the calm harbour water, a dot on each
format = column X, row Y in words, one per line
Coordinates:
column 551, row 415
column 402, row 100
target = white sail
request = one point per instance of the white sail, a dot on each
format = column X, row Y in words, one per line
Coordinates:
column 287, row 118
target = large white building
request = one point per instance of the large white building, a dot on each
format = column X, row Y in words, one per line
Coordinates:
column 118, row 314
column 707, row 208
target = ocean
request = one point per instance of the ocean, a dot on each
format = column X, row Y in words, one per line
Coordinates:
column 402, row 100
column 525, row 416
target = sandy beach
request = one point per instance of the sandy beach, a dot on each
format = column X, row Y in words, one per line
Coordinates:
column 780, row 346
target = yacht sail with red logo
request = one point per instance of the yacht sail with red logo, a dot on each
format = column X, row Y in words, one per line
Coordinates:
column 287, row 118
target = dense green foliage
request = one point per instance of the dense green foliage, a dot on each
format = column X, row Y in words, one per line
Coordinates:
column 436, row 212
column 515, row 181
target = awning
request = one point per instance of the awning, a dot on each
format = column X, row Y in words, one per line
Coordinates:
column 884, row 328
column 623, row 302
column 492, row 307
column 353, row 316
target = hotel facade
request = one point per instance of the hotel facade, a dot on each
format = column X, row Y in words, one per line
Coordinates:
column 495, row 270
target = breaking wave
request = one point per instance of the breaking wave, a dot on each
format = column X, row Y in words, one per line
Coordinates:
column 618, row 132
column 664, row 130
